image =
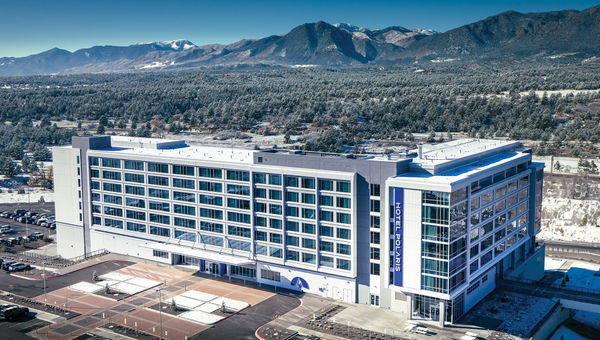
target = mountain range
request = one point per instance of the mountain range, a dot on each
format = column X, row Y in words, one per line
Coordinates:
column 509, row 34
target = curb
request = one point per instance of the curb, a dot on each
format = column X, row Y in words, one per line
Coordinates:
column 258, row 329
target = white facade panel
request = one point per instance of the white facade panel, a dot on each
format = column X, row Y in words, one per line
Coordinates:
column 412, row 239
column 66, row 186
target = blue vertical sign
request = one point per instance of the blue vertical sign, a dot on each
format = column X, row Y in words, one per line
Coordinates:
column 398, row 224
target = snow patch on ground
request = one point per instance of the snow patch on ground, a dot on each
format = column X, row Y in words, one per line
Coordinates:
column 563, row 220
column 581, row 275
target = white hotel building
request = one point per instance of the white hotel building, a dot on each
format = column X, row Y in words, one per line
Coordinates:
column 425, row 233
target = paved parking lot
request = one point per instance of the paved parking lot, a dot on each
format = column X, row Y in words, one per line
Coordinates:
column 136, row 312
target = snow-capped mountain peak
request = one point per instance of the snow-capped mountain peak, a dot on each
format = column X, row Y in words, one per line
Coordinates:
column 175, row 45
column 350, row 27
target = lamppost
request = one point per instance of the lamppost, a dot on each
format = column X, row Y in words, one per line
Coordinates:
column 160, row 311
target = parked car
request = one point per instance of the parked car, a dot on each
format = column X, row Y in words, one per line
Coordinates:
column 36, row 235
column 6, row 264
column 21, row 211
column 12, row 312
column 19, row 267
column 52, row 226
column 6, row 230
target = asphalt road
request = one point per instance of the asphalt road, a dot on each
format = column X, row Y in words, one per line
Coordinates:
column 29, row 288
column 244, row 324
column 15, row 330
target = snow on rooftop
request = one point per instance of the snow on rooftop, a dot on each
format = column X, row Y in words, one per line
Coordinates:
column 457, row 149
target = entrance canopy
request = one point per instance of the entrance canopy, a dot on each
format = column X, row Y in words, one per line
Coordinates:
column 199, row 253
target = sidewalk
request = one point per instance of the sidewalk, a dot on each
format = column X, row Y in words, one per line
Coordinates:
column 38, row 274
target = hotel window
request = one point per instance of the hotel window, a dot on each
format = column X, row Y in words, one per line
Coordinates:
column 211, row 200
column 260, row 207
column 161, row 254
column 140, row 191
column 260, row 193
column 111, row 187
column 274, row 238
column 158, row 167
column 342, row 202
column 112, row 175
column 275, row 179
column 113, row 223
column 113, row 199
column 308, row 198
column 210, row 186
column 275, row 194
column 375, row 206
column 308, row 243
column 343, row 249
column 238, row 189
column 275, row 252
column 165, row 232
column 309, row 258
column 134, row 165
column 326, row 261
column 275, row 209
column 94, row 173
column 260, row 235
column 292, row 240
column 189, row 236
column 209, row 172
column 326, row 184
column 326, row 200
column 326, row 246
column 291, row 196
column 160, row 206
column 260, row 178
column 308, row 183
column 291, row 181
column 291, row 211
column 342, row 186
column 343, row 218
column 158, row 193
column 183, row 183
column 238, row 175
column 375, row 190
column 292, row 255
column 141, row 228
column 275, row 223
column 308, row 213
column 375, row 237
column 183, row 196
column 113, row 211
column 162, row 219
column 137, row 178
column 259, row 249
column 344, row 233
column 111, row 163
column 374, row 253
column 308, row 228
column 437, row 215
column 326, row 231
column 158, row 180
column 94, row 161
column 237, row 217
column 292, row 226
column 183, row 170
column 212, row 227
column 211, row 213
column 184, row 209
column 435, row 197
column 136, row 215
column 239, row 231
column 374, row 268
column 343, row 264
column 238, row 203
column 375, row 221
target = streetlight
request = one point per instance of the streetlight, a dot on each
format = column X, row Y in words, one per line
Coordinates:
column 160, row 310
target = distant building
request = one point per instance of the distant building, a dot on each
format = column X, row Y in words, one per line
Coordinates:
column 426, row 232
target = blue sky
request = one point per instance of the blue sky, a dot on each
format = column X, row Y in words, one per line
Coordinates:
column 33, row 26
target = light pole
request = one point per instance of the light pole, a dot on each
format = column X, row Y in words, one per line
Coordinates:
column 160, row 310
column 45, row 297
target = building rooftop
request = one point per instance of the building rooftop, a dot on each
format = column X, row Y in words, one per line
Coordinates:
column 445, row 156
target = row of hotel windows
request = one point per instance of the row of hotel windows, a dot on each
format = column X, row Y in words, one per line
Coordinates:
column 260, row 249
column 291, row 196
column 234, row 175
column 274, row 209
